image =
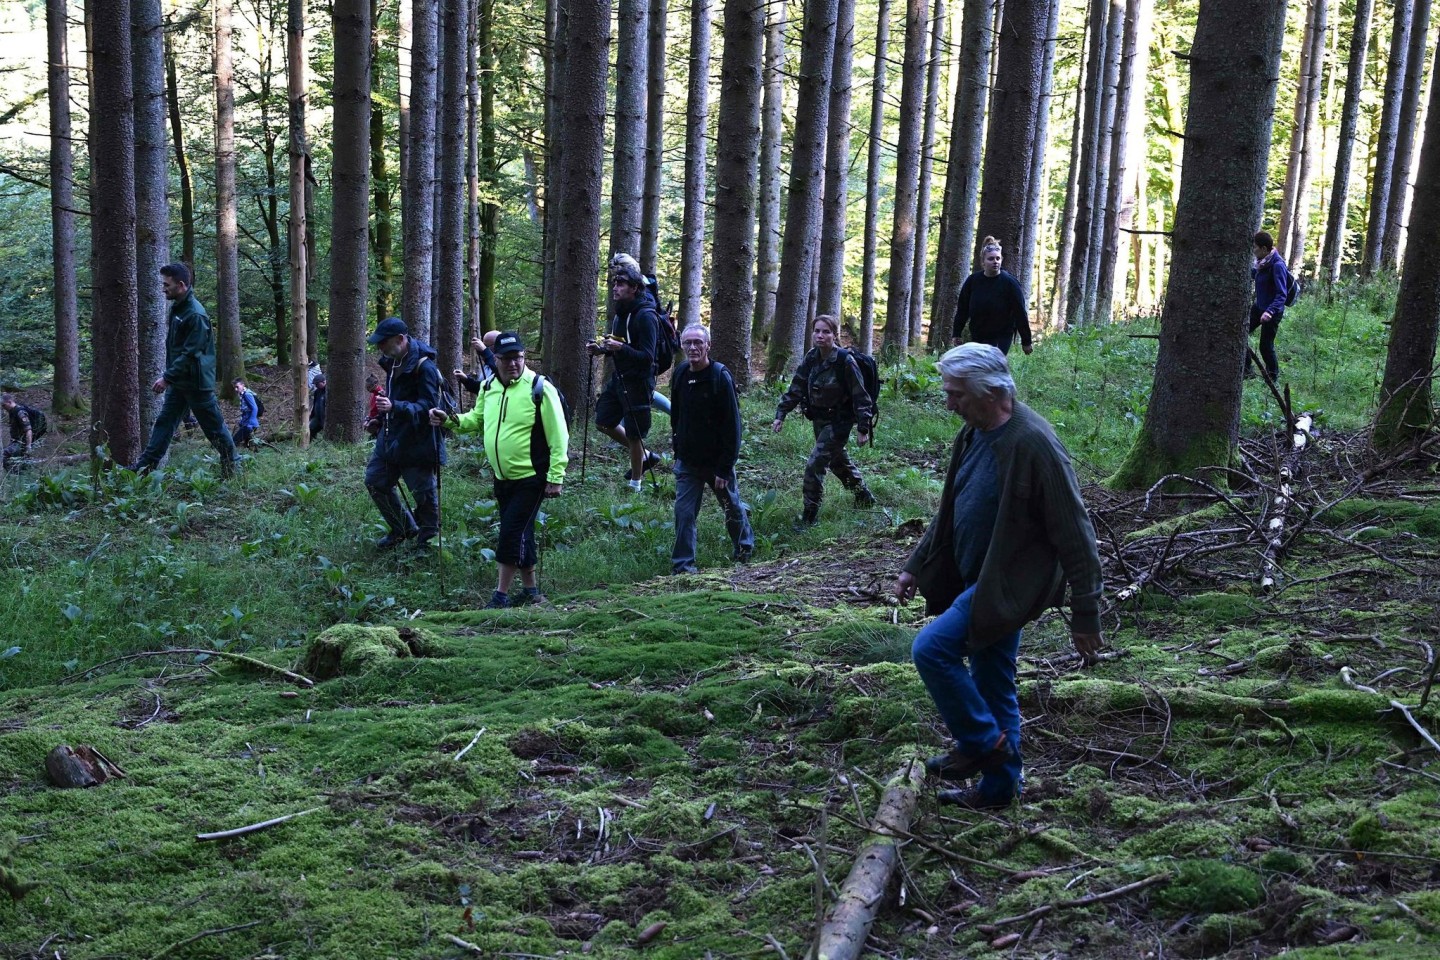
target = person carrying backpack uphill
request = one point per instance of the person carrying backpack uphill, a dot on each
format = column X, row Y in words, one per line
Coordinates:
column 1273, row 293
column 521, row 419
column 26, row 426
column 830, row 391
column 623, row 409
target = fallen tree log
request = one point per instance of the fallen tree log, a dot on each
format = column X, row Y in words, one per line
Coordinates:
column 843, row 934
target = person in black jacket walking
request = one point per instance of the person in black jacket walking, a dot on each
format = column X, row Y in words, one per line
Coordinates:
column 623, row 409
column 705, row 418
column 1272, row 287
column 993, row 304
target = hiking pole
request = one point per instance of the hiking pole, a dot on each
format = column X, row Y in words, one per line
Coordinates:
column 439, row 511
column 589, row 402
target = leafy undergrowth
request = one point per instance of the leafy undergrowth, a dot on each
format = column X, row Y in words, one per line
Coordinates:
column 688, row 754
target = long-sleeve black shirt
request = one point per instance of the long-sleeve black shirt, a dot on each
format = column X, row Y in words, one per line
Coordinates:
column 995, row 309
column 635, row 324
column 705, row 417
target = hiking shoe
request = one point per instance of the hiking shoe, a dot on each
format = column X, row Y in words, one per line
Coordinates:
column 808, row 516
column 957, row 767
column 651, row 463
column 529, row 598
column 864, row 499
column 393, row 539
column 635, row 485
column 498, row 601
column 742, row 554
column 687, row 568
column 972, row 799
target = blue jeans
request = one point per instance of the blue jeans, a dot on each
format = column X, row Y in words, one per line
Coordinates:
column 660, row 402
column 690, row 487
column 978, row 703
column 178, row 401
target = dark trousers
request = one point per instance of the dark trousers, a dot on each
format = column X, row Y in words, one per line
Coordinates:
column 829, row 454
column 1267, row 342
column 179, row 401
column 690, row 487
column 242, row 436
column 519, row 506
column 15, row 451
column 382, row 479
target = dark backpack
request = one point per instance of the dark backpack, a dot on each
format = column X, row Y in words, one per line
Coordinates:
column 38, row 426
column 869, row 378
column 259, row 405
column 667, row 335
column 1292, row 292
column 539, row 444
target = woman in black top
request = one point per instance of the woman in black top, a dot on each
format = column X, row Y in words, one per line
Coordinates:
column 993, row 304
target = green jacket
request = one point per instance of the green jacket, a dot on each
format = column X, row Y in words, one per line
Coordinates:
column 505, row 419
column 190, row 347
column 1043, row 538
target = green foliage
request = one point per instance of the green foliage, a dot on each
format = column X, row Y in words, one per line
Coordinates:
column 1209, row 886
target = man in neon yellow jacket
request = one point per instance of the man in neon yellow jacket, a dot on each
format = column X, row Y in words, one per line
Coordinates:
column 520, row 418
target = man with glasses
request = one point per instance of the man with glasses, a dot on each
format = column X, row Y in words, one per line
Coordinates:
column 705, row 418
column 406, row 446
column 623, row 409
column 522, row 423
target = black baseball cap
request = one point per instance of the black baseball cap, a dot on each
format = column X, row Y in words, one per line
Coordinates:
column 508, row 342
column 387, row 328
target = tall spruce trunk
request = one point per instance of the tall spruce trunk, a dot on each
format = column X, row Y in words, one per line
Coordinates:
column 807, row 181
column 152, row 189
column 868, row 280
column 697, row 118
column 835, row 204
column 349, row 222
column 1086, row 200
column 489, row 210
column 182, row 163
column 420, row 172
column 229, row 334
column 1407, row 409
column 737, row 163
column 627, row 186
column 580, row 192
column 380, row 183
column 404, row 28
column 962, row 171
column 907, row 175
column 1030, row 246
column 554, row 57
column 65, row 397
column 115, row 399
column 1119, row 201
column 447, row 328
column 1011, row 136
column 767, row 247
column 1193, row 417
column 1405, row 136
column 472, row 178
column 268, row 199
column 1386, row 137
column 1314, row 143
column 1100, row 213
column 297, row 69
column 654, row 138
column 1334, row 249
column 927, row 166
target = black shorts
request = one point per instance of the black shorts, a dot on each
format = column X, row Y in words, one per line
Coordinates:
column 633, row 407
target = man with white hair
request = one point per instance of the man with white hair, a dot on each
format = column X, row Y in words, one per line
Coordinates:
column 1010, row 533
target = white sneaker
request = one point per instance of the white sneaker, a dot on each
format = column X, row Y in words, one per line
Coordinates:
column 634, row 485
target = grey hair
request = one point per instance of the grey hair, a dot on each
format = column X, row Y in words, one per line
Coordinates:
column 983, row 369
column 697, row 328
column 624, row 260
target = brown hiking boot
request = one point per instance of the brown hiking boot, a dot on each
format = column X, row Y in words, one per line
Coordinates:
column 958, row 767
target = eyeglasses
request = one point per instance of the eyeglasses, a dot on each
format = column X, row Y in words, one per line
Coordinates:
column 692, row 344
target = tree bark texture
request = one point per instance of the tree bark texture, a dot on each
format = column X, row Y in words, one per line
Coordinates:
column 1194, row 412
column 837, row 167
column 403, row 40
column 1334, row 248
column 962, row 171
column 1405, row 137
column 65, row 395
column 297, row 58
column 420, row 180
column 447, row 328
column 229, row 335
column 737, row 163
column 807, row 181
column 632, row 74
column 907, row 175
column 1407, row 389
column 767, row 250
column 556, row 22
column 1086, row 199
column 868, row 279
column 654, row 137
column 115, row 399
column 1029, row 247
column 472, row 176
column 349, row 222
column 1011, row 136
column 182, row 164
column 697, row 118
column 1119, row 202
column 152, row 190
column 938, row 20
column 1100, row 213
column 1387, row 136
column 380, row 183
column 580, row 189
column 1304, row 141
column 268, row 197
column 489, row 210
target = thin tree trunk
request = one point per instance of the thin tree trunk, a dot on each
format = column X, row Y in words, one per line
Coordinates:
column 298, row 53
column 907, row 174
column 1387, row 137
column 420, row 190
column 269, row 202
column 737, row 162
column 472, row 172
column 65, row 395
column 556, row 23
column 116, row 400
column 807, row 180
column 632, row 75
column 489, row 211
column 1066, row 230
column 1030, row 246
column 1405, row 138
column 403, row 40
column 927, row 166
column 1193, row 417
column 182, row 164
column 152, row 187
column 872, row 179
column 962, row 171
column 1284, row 229
column 1334, row 250
column 580, row 185
column 1314, row 144
column 697, row 115
column 654, row 138
column 1139, row 245
column 767, row 250
column 349, row 221
column 1114, row 33
column 835, row 204
column 437, row 260
column 380, row 183
column 1118, row 206
column 447, row 328
column 1086, row 196
column 229, row 335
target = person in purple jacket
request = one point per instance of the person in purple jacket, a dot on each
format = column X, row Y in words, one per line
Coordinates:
column 1272, row 285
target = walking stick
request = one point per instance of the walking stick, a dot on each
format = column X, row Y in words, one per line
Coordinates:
column 589, row 403
column 439, row 511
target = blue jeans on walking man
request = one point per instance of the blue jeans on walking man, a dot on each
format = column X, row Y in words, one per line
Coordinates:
column 690, row 487
column 977, row 702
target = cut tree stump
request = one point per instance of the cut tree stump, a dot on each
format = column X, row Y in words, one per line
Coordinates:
column 842, row 936
column 81, row 766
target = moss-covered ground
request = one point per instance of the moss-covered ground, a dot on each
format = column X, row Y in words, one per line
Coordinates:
column 691, row 751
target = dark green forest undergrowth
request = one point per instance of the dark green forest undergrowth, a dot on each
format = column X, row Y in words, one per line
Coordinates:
column 692, row 751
